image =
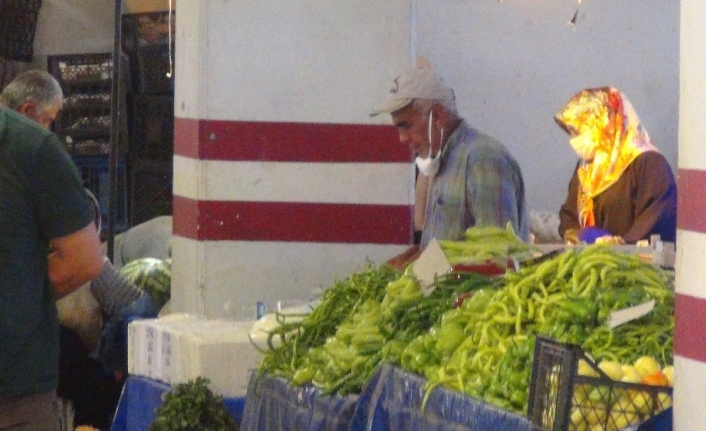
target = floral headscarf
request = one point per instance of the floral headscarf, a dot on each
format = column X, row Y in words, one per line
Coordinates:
column 610, row 118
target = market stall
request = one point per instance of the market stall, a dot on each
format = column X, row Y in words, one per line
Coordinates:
column 460, row 353
column 491, row 333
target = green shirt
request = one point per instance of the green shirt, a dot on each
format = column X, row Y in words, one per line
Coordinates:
column 41, row 198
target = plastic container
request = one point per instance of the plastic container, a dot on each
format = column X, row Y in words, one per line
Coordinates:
column 562, row 400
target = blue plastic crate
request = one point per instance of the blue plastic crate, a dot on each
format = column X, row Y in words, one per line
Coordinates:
column 94, row 172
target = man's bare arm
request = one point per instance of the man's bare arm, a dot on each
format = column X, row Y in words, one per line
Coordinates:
column 75, row 259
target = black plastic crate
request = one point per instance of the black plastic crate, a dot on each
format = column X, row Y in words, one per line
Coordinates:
column 73, row 70
column 150, row 190
column 84, row 122
column 151, row 68
column 17, row 27
column 562, row 400
column 95, row 174
column 152, row 127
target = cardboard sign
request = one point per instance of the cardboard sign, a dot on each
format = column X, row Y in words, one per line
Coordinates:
column 429, row 264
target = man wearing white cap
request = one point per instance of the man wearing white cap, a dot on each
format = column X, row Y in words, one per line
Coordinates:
column 474, row 180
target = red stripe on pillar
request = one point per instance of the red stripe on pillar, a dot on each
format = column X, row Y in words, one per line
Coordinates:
column 690, row 330
column 288, row 142
column 691, row 200
column 293, row 222
column 185, row 214
column 186, row 137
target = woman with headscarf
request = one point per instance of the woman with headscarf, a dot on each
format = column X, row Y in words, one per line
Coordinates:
column 622, row 189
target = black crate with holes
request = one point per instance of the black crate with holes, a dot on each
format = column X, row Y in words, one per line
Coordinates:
column 563, row 399
column 95, row 175
column 152, row 127
column 150, row 190
column 84, row 122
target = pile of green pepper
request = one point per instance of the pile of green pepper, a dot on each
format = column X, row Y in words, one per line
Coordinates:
column 483, row 345
column 384, row 318
column 568, row 298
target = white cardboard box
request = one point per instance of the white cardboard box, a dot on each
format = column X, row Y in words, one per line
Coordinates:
column 178, row 350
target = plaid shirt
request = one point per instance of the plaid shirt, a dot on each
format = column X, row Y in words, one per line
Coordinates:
column 478, row 184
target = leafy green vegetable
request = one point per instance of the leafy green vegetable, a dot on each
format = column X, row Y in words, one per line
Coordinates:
column 192, row 406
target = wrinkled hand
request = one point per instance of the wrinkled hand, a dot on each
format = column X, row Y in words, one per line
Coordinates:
column 403, row 259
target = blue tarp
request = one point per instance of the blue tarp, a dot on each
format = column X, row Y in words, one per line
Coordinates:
column 391, row 401
column 273, row 404
column 141, row 397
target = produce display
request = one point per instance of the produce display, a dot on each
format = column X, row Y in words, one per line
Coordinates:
column 476, row 333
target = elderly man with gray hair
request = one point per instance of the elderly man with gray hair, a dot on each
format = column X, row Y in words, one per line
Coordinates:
column 473, row 178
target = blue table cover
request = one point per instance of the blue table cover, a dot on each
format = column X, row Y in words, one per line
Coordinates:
column 392, row 400
column 275, row 405
column 140, row 398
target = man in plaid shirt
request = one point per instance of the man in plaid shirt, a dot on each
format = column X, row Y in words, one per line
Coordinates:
column 474, row 180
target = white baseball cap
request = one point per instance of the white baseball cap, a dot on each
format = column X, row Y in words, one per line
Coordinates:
column 415, row 84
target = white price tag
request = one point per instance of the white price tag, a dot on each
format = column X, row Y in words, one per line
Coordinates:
column 429, row 264
column 626, row 315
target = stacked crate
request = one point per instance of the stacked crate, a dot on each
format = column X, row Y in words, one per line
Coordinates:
column 148, row 44
column 84, row 125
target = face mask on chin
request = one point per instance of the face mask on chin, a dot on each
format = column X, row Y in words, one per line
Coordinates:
column 429, row 166
column 583, row 146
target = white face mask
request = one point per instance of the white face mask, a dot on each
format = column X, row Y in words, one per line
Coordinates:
column 584, row 146
column 429, row 165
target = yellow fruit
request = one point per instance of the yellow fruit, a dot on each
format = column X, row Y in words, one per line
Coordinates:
column 577, row 418
column 647, row 365
column 625, row 404
column 622, row 419
column 642, row 401
column 631, row 375
column 602, row 394
column 584, row 369
column 665, row 400
column 595, row 416
column 581, row 392
column 612, row 369
column 669, row 372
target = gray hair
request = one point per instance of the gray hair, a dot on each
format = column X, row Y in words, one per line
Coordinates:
column 32, row 86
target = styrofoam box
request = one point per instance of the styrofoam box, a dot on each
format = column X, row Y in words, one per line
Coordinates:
column 178, row 350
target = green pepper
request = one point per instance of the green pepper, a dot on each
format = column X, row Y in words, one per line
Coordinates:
column 449, row 337
column 479, row 301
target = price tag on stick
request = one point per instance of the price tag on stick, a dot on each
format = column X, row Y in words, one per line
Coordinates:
column 429, row 264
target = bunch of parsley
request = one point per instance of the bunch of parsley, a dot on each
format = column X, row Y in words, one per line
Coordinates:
column 192, row 406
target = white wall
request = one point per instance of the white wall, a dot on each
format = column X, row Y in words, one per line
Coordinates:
column 514, row 63
column 72, row 27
